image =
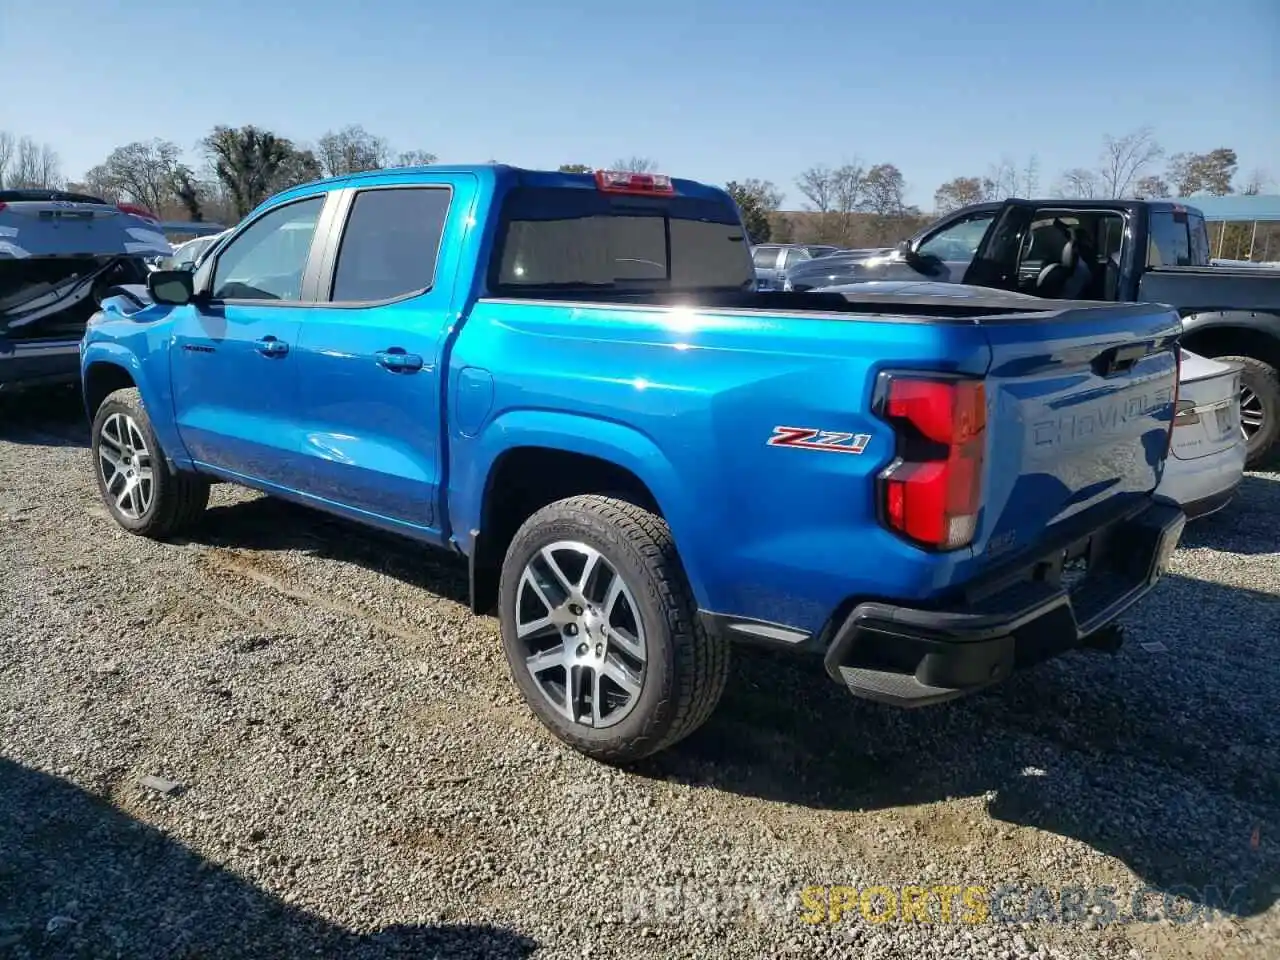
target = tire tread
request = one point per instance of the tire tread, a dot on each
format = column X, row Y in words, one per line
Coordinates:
column 701, row 667
column 183, row 496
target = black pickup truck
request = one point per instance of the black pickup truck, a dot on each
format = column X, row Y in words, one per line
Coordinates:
column 1129, row 250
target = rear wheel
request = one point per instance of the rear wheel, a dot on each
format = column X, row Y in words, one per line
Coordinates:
column 600, row 629
column 1259, row 409
column 142, row 493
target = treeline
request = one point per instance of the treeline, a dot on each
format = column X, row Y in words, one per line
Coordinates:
column 852, row 204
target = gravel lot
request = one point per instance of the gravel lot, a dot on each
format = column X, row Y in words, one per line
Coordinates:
column 356, row 776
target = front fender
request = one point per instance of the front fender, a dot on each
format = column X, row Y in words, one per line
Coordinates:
column 473, row 459
column 156, row 395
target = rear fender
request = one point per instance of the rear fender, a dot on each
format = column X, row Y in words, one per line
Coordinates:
column 472, row 461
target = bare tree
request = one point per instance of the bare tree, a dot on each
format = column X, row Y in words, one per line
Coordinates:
column 1125, row 159
column 636, row 165
column 883, row 190
column 35, row 165
column 1001, row 181
column 142, row 172
column 414, row 158
column 1031, row 177
column 351, row 150
column 1079, row 184
column 817, row 185
column 849, row 183
column 97, row 182
column 1257, row 182
column 8, row 144
column 1151, row 187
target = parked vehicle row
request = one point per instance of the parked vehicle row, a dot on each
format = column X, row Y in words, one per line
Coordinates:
column 572, row 382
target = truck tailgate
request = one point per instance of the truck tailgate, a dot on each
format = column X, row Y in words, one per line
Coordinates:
column 1079, row 410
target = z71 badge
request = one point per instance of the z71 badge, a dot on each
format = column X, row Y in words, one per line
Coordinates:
column 807, row 438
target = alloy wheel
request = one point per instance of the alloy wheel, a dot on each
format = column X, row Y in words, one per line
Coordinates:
column 125, row 464
column 1252, row 414
column 580, row 630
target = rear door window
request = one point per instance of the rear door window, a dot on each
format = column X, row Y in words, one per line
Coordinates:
column 390, row 244
column 795, row 255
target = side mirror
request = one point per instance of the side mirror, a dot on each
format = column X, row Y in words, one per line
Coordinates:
column 173, row 287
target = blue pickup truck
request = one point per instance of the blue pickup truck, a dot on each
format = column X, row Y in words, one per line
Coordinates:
column 570, row 380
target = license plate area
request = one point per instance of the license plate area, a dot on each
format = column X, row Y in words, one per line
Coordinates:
column 1226, row 420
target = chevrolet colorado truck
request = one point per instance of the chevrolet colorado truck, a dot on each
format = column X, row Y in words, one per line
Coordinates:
column 570, row 381
column 1111, row 250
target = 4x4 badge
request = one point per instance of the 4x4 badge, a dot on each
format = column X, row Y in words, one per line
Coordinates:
column 807, row 438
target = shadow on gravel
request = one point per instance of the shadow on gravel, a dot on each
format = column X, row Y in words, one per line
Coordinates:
column 1168, row 760
column 80, row 879
column 52, row 417
column 1236, row 528
column 268, row 523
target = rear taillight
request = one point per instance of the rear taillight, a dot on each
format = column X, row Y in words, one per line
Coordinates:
column 2, row 206
column 137, row 211
column 1174, row 409
column 932, row 492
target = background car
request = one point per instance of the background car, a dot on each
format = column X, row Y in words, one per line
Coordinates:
column 842, row 266
column 187, row 256
column 772, row 260
column 1209, row 449
column 59, row 253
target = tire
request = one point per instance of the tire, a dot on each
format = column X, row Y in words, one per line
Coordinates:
column 175, row 500
column 1262, row 381
column 684, row 668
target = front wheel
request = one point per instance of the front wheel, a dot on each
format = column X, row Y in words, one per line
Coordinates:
column 601, row 633
column 142, row 493
column 1259, row 409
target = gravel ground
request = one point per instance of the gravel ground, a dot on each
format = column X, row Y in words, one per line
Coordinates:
column 350, row 772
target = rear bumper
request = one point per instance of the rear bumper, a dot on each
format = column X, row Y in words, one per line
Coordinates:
column 910, row 657
column 1205, row 484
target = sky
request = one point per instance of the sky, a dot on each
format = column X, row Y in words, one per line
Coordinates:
column 714, row 90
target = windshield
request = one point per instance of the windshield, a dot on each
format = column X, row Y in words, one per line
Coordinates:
column 557, row 238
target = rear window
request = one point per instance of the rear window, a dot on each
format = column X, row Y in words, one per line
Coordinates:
column 1199, row 240
column 1168, row 245
column 766, row 258
column 558, row 238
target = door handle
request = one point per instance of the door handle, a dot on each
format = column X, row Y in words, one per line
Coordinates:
column 397, row 361
column 271, row 347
